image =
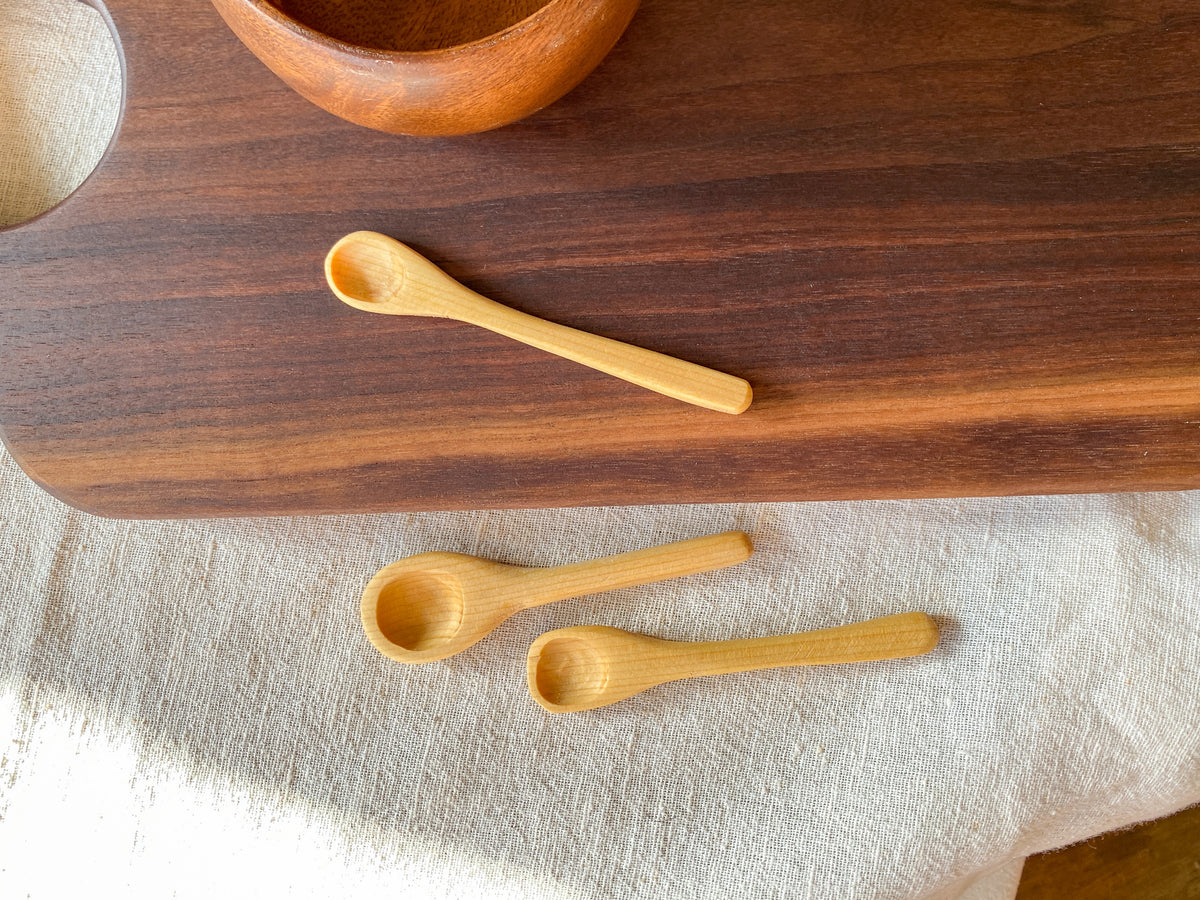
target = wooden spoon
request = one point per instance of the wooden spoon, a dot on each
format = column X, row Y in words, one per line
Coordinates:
column 433, row 605
column 372, row 272
column 573, row 669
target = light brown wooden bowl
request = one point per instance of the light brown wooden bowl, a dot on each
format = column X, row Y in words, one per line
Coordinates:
column 429, row 67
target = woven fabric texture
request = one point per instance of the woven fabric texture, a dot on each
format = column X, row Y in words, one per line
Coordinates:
column 190, row 709
column 60, row 91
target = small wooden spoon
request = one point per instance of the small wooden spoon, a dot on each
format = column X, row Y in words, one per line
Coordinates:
column 372, row 272
column 433, row 605
column 573, row 669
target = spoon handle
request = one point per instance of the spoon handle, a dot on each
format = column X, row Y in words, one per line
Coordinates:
column 889, row 637
column 610, row 573
column 667, row 375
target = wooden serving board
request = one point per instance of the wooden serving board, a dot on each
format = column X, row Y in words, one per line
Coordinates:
column 954, row 246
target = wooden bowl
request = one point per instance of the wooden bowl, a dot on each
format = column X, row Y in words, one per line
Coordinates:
column 429, row 67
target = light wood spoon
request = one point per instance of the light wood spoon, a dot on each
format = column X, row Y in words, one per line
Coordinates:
column 433, row 605
column 573, row 669
column 372, row 272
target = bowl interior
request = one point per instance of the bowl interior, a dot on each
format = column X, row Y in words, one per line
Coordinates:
column 409, row 25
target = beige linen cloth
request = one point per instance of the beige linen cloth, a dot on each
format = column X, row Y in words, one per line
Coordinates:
column 189, row 709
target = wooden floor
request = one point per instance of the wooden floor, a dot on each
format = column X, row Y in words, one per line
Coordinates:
column 1156, row 861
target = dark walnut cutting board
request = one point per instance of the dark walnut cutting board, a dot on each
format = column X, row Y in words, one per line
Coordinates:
column 954, row 246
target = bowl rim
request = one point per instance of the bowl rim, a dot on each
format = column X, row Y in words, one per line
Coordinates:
column 271, row 11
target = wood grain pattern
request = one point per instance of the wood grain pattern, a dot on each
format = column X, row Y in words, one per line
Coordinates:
column 955, row 253
column 1157, row 860
column 588, row 666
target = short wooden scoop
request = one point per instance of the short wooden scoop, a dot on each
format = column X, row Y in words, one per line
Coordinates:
column 372, row 272
column 573, row 669
column 433, row 605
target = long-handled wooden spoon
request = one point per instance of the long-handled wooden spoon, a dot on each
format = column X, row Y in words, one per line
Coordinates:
column 372, row 272
column 573, row 669
column 433, row 605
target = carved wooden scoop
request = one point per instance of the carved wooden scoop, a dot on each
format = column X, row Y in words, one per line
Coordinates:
column 433, row 605
column 372, row 272
column 573, row 669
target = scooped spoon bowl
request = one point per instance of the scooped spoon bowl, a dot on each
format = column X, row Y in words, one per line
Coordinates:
column 588, row 666
column 432, row 605
column 375, row 273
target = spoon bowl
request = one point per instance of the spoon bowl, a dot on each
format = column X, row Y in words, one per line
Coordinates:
column 571, row 670
column 589, row 666
column 420, row 610
column 364, row 273
column 432, row 605
column 374, row 273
